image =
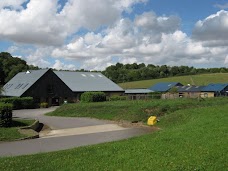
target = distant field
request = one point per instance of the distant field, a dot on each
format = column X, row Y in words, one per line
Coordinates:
column 202, row 79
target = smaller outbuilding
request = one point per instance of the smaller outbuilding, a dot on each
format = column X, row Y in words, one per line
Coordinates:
column 189, row 91
column 164, row 86
column 215, row 90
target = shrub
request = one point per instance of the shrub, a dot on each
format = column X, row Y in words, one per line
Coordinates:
column 43, row 105
column 5, row 115
column 93, row 97
column 19, row 102
column 155, row 95
column 117, row 98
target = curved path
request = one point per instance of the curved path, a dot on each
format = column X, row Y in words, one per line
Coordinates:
column 65, row 133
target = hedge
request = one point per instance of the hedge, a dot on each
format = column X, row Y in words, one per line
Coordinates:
column 5, row 115
column 19, row 102
column 93, row 97
column 117, row 98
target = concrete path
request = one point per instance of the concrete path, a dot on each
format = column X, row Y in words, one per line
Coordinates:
column 66, row 133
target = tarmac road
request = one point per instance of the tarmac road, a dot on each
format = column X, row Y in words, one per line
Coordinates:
column 65, row 133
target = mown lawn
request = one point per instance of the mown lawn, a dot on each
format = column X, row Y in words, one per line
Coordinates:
column 202, row 79
column 132, row 110
column 12, row 133
column 189, row 139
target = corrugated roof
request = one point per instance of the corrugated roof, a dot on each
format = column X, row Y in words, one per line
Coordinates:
column 164, row 86
column 87, row 81
column 22, row 82
column 215, row 87
column 138, row 91
column 189, row 88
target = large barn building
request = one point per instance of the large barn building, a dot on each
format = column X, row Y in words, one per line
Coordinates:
column 54, row 87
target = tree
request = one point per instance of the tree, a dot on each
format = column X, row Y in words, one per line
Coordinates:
column 10, row 66
column 173, row 90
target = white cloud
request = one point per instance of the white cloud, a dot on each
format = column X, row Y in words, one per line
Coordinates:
column 13, row 4
column 37, row 57
column 213, row 30
column 37, row 24
column 61, row 66
column 147, row 38
column 150, row 22
column 41, row 23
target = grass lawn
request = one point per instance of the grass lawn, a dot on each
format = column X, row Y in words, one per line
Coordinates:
column 189, row 139
column 132, row 110
column 12, row 133
column 202, row 79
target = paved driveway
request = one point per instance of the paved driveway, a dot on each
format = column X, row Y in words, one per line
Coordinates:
column 66, row 132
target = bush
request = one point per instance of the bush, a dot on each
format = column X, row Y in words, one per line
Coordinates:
column 117, row 98
column 44, row 105
column 19, row 102
column 5, row 115
column 155, row 95
column 93, row 97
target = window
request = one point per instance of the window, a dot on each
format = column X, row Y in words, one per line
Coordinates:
column 19, row 85
column 25, row 86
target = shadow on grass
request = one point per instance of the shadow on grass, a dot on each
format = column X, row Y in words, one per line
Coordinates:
column 16, row 123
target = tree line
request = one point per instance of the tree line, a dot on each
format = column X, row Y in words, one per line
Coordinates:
column 10, row 66
column 135, row 72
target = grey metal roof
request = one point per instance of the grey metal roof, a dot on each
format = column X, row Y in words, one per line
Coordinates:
column 138, row 91
column 22, row 82
column 87, row 81
column 189, row 88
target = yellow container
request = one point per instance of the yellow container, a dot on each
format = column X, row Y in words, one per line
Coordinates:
column 152, row 120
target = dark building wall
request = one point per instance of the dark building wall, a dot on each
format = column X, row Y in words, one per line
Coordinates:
column 224, row 92
column 49, row 88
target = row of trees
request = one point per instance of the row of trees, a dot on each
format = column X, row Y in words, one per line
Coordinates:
column 10, row 66
column 134, row 72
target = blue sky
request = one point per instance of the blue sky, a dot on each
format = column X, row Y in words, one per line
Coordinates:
column 93, row 34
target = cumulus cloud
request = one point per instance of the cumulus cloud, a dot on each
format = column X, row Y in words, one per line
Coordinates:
column 150, row 22
column 61, row 66
column 131, row 43
column 42, row 23
column 37, row 57
column 110, row 38
column 213, row 30
column 12, row 4
column 37, row 24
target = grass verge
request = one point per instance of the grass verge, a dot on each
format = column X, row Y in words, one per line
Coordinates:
column 13, row 133
column 132, row 110
column 190, row 139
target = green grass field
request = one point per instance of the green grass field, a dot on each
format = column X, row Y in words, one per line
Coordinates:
column 138, row 110
column 189, row 139
column 203, row 79
column 12, row 133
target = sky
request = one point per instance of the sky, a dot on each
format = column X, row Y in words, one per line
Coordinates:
column 94, row 34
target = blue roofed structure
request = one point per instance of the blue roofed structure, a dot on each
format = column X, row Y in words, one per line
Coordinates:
column 164, row 86
column 218, row 88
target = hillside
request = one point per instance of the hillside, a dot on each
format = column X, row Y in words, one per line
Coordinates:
column 202, row 79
